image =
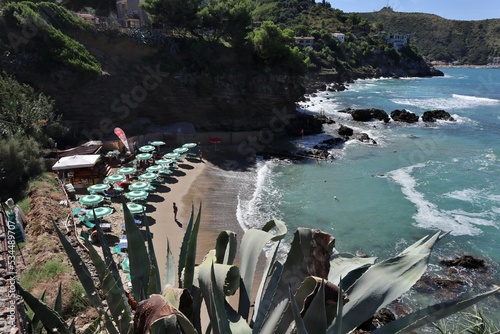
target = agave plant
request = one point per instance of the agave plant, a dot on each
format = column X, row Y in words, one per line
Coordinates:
column 315, row 290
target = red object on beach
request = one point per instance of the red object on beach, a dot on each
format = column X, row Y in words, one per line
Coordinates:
column 215, row 141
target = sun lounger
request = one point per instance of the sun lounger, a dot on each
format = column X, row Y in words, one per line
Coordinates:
column 86, row 221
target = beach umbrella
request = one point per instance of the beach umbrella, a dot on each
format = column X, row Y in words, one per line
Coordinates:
column 181, row 150
column 136, row 195
column 165, row 172
column 95, row 188
column 135, row 208
column 215, row 141
column 114, row 178
column 154, row 168
column 157, row 143
column 143, row 156
column 138, row 186
column 126, row 170
column 189, row 145
column 172, row 155
column 100, row 212
column 164, row 162
column 91, row 199
column 147, row 176
column 147, row 148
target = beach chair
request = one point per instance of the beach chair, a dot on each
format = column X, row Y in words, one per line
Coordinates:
column 85, row 220
column 75, row 211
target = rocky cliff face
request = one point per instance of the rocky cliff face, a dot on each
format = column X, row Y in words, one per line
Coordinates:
column 135, row 93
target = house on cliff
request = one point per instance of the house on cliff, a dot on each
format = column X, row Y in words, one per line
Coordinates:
column 304, row 41
column 398, row 41
column 339, row 36
column 130, row 14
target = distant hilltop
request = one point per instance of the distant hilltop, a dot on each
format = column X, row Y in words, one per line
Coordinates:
column 440, row 39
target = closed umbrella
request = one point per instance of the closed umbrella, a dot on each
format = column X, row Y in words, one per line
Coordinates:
column 114, row 178
column 138, row 186
column 189, row 145
column 136, row 195
column 154, row 168
column 98, row 187
column 135, row 208
column 143, row 156
column 147, row 148
column 91, row 199
column 100, row 212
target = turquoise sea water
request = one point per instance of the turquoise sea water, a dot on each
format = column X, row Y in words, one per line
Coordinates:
column 418, row 179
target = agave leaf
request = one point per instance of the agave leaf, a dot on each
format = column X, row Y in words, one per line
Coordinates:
column 191, row 253
column 299, row 322
column 315, row 316
column 169, row 267
column 154, row 279
column 265, row 305
column 51, row 320
column 117, row 303
column 108, row 258
column 236, row 321
column 341, row 266
column 94, row 326
column 58, row 302
column 138, row 257
column 72, row 326
column 81, row 269
column 431, row 314
column 213, row 292
column 225, row 247
column 337, row 326
column 384, row 282
column 271, row 322
column 184, row 246
column 252, row 243
column 270, row 260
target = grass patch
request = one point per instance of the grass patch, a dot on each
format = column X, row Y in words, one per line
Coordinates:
column 48, row 270
column 42, row 180
column 78, row 300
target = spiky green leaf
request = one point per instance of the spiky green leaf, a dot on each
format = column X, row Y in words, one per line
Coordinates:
column 272, row 321
column 265, row 305
column 340, row 266
column 371, row 291
column 51, row 320
column 154, row 278
column 117, row 302
column 315, row 317
column 295, row 309
column 108, row 258
column 191, row 253
column 58, row 302
column 184, row 246
column 225, row 247
column 138, row 257
column 81, row 269
column 169, row 267
column 431, row 314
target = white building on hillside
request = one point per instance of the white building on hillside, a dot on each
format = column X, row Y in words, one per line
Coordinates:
column 340, row 36
column 304, row 41
column 398, row 41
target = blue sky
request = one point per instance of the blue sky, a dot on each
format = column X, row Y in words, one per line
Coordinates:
column 450, row 9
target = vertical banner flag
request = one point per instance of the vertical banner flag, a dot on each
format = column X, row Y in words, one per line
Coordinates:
column 119, row 132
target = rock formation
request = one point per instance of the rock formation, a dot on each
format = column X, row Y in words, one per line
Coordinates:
column 404, row 116
column 434, row 115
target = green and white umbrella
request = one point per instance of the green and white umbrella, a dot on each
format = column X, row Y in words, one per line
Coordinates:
column 181, row 150
column 143, row 156
column 189, row 145
column 147, row 148
column 135, row 208
column 100, row 212
column 154, row 168
column 136, row 195
column 157, row 143
column 114, row 178
column 164, row 162
column 90, row 199
column 126, row 170
column 98, row 188
column 138, row 186
column 172, row 155
column 147, row 176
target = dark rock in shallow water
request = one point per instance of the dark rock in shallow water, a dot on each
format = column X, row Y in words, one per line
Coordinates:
column 363, row 137
column 465, row 261
column 366, row 115
column 345, row 131
column 434, row 115
column 379, row 319
column 404, row 116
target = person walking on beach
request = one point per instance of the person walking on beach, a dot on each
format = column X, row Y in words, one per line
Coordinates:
column 175, row 212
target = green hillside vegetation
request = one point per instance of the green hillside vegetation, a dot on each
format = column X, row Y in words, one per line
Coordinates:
column 470, row 42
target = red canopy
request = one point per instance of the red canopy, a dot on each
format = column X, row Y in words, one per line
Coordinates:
column 215, row 140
